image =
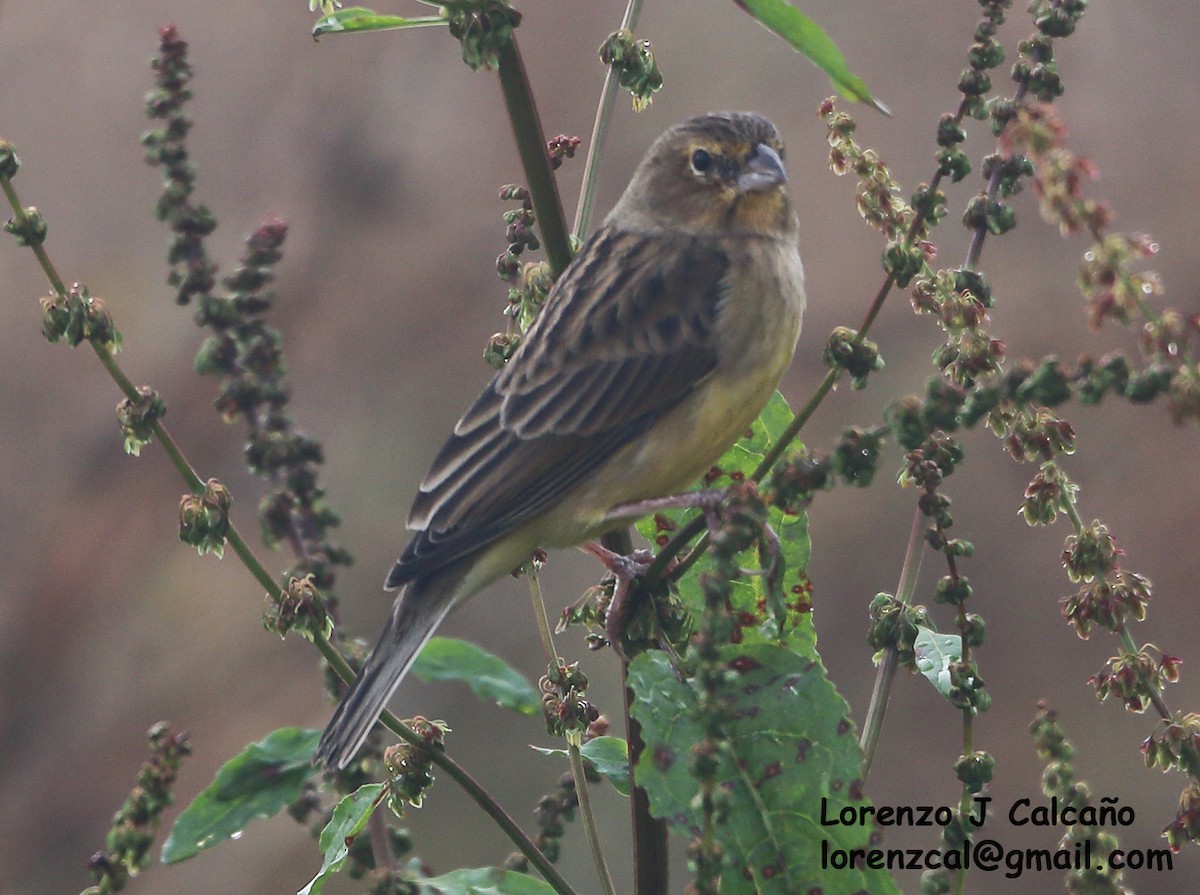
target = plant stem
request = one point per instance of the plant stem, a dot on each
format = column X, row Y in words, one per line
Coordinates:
column 540, row 616
column 543, row 189
column 531, row 145
column 578, row 772
column 608, row 92
column 589, row 819
column 886, row 673
column 650, row 847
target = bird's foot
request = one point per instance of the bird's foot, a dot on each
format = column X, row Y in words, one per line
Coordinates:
column 625, row 568
column 771, row 555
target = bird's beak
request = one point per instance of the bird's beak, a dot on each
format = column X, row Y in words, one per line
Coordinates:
column 763, row 170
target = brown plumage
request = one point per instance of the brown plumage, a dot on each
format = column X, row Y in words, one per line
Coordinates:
column 656, row 348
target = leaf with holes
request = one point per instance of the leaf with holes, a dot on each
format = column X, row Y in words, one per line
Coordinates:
column 792, row 760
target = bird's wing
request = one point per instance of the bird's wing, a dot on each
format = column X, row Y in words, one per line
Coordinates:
column 619, row 343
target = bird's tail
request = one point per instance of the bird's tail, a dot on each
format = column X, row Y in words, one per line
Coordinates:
column 414, row 618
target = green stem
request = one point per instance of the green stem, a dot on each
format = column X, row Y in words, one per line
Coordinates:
column 885, row 675
column 608, row 92
column 589, row 819
column 38, row 249
column 531, row 145
column 578, row 772
column 540, row 616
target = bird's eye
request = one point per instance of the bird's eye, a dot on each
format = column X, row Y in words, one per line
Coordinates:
column 701, row 161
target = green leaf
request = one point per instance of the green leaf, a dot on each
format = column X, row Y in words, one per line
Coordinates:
column 488, row 676
column 609, row 756
column 484, row 881
column 935, row 653
column 357, row 18
column 792, row 755
column 806, row 36
column 348, row 820
column 267, row 776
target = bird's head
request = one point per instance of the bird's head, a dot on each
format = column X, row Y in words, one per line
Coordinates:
column 716, row 173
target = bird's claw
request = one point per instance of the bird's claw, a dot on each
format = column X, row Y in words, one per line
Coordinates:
column 625, row 569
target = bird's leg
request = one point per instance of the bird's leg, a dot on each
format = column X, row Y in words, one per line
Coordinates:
column 624, row 569
column 770, row 546
column 706, row 501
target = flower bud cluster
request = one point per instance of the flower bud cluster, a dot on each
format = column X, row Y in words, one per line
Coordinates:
column 409, row 767
column 742, row 522
column 551, row 815
column 877, row 194
column 637, row 70
column 530, row 283
column 795, row 481
column 565, row 707
column 1110, row 285
column 859, row 357
column 241, row 348
column 299, row 608
column 1186, row 826
column 482, row 27
column 856, row 455
column 192, row 272
column 960, row 298
column 79, row 316
column 1058, row 782
column 895, row 624
column 561, row 147
column 1135, row 678
column 127, row 846
column 138, row 418
column 29, row 227
column 1174, row 743
column 204, row 518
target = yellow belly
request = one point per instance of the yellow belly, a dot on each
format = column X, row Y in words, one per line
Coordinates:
column 758, row 328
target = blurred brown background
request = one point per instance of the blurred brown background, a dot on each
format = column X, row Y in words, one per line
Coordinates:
column 384, row 153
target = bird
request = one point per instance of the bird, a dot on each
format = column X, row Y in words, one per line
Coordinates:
column 656, row 348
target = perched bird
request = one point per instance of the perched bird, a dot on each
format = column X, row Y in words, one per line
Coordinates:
column 656, row 348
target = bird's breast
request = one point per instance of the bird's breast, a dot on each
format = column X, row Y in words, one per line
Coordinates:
column 758, row 324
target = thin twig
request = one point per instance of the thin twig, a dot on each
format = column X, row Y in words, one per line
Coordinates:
column 578, row 772
column 608, row 92
column 886, row 673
